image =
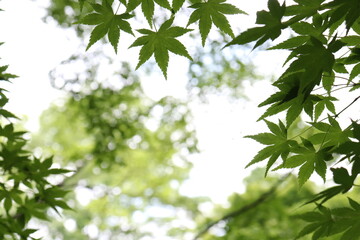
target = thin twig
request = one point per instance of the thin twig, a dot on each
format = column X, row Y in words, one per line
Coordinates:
column 335, row 116
column 118, row 8
column 357, row 98
column 263, row 197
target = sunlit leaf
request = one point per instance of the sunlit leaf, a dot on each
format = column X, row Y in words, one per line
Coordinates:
column 108, row 23
column 160, row 43
column 213, row 11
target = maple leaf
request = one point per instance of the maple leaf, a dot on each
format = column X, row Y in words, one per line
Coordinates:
column 304, row 7
column 351, row 149
column 309, row 159
column 213, row 11
column 291, row 43
column 177, row 4
column 348, row 8
column 278, row 143
column 298, row 81
column 160, row 43
column 107, row 23
column 344, row 180
column 313, row 59
column 5, row 76
column 321, row 223
column 271, row 30
column 324, row 102
column 330, row 134
column 147, row 7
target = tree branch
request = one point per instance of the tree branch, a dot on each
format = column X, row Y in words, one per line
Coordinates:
column 349, row 105
column 262, row 198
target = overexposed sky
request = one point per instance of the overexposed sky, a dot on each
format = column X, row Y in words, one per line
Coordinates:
column 33, row 48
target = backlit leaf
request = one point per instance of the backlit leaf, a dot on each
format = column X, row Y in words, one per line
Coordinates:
column 107, row 23
column 305, row 172
column 212, row 11
column 177, row 4
column 291, row 43
column 160, row 43
column 355, row 72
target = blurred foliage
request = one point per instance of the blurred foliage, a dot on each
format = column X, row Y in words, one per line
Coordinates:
column 129, row 151
column 214, row 73
column 65, row 13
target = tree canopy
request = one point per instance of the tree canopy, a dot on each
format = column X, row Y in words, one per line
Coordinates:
column 117, row 124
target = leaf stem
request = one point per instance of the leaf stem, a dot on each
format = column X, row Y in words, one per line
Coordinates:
column 357, row 98
column 343, row 87
column 118, row 8
column 154, row 25
column 341, row 77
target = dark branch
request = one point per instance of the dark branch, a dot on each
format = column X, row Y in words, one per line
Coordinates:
column 262, row 198
column 357, row 98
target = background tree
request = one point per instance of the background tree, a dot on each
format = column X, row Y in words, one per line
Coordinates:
column 315, row 59
column 324, row 58
column 127, row 151
column 270, row 208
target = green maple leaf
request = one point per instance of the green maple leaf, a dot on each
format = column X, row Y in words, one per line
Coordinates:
column 344, row 180
column 321, row 223
column 212, row 11
column 147, row 7
column 271, row 29
column 4, row 76
column 304, row 7
column 351, row 149
column 279, row 144
column 330, row 134
column 348, row 8
column 160, row 43
column 177, row 4
column 355, row 72
column 291, row 43
column 312, row 60
column 309, row 160
column 107, row 23
column 322, row 103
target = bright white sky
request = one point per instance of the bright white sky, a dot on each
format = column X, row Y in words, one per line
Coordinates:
column 32, row 48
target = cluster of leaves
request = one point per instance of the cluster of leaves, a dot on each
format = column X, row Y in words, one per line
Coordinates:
column 319, row 56
column 163, row 40
column 25, row 189
column 324, row 57
column 328, row 222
